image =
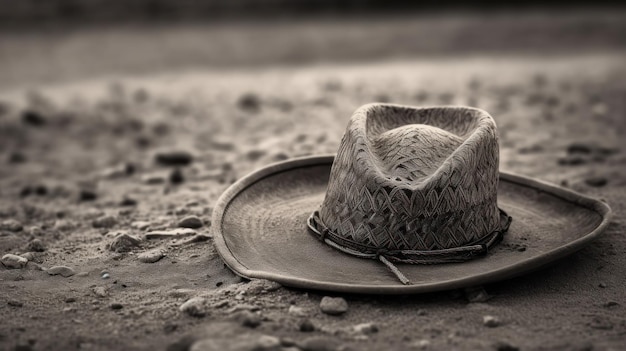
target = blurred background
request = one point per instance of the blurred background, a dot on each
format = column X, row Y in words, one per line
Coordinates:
column 58, row 40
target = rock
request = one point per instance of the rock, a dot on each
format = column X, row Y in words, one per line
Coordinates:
column 572, row 160
column 319, row 343
column 247, row 319
column 32, row 266
column 307, row 326
column 33, row 118
column 140, row 225
column 504, row 346
column 491, row 321
column 15, row 303
column 151, row 256
column 267, row 343
column 169, row 234
column 63, row 271
column 154, row 178
column 365, row 328
column 106, row 221
column 194, row 307
column 192, row 222
column 11, row 225
column 249, row 102
column 297, row 311
column 596, row 181
column 13, row 261
column 258, row 286
column 128, row 201
column 100, row 291
column 69, row 299
column 123, row 243
column 174, row 158
column 333, row 305
column 579, row 148
column 87, row 195
column 36, row 245
column 422, row 344
column 476, row 294
column 177, row 176
column 116, row 306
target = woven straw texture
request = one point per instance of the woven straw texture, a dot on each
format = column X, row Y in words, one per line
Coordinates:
column 414, row 179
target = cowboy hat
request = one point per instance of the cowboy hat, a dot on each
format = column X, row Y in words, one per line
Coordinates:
column 412, row 202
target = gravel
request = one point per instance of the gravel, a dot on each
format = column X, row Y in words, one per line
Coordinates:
column 333, row 306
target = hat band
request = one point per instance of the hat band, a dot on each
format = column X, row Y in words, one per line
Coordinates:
column 479, row 247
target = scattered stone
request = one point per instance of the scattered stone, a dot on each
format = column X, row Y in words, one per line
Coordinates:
column 82, row 274
column 249, row 102
column 116, row 306
column 596, row 181
column 366, row 328
column 306, row 326
column 169, row 234
column 181, row 293
column 123, row 243
column 69, row 299
column 267, row 343
column 602, row 285
column 63, row 271
column 256, row 154
column 491, row 321
column 297, row 311
column 36, row 245
column 579, row 148
column 100, row 291
column 333, row 305
column 177, row 176
column 106, row 221
column 11, row 225
column 13, row 261
column 504, row 346
column 151, row 256
column 258, row 286
column 174, row 158
column 154, row 178
column 319, row 343
column 192, row 222
column 140, row 225
column 15, row 303
column 194, row 307
column 476, row 294
column 17, row 157
column 87, row 195
column 128, row 201
column 572, row 160
column 422, row 344
column 63, row 225
column 195, row 239
column 33, row 118
column 105, row 275
column 247, row 319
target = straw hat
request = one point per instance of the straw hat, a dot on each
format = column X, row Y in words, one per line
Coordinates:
column 412, row 202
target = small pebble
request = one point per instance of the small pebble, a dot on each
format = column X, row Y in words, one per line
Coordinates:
column 307, row 326
column 333, row 305
column 596, row 181
column 128, row 201
column 105, row 276
column 11, row 225
column 491, row 321
column 151, row 256
column 140, row 225
column 100, row 291
column 194, row 307
column 106, row 221
column 174, row 158
column 63, row 271
column 192, row 222
column 169, row 234
column 153, row 179
column 247, row 319
column 476, row 294
column 33, row 118
column 177, row 176
column 267, row 343
column 249, row 102
column 504, row 346
column 366, row 328
column 319, row 343
column 422, row 344
column 116, row 306
column 36, row 245
column 70, row 299
column 14, row 261
column 87, row 195
column 15, row 303
column 123, row 243
column 297, row 311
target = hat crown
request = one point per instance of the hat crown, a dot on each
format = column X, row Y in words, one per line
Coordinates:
column 414, row 179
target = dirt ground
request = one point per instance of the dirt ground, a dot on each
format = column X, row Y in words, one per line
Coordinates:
column 98, row 173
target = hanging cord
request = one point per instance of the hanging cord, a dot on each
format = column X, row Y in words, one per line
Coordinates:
column 401, row 277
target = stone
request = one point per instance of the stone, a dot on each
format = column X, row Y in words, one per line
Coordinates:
column 33, row 118
column 476, row 294
column 258, row 287
column 123, row 243
column 297, row 311
column 140, row 225
column 15, row 303
column 116, row 306
column 169, row 234
column 194, row 307
column 153, row 179
column 106, row 221
column 504, row 346
column 596, row 181
column 151, row 256
column 11, row 225
column 365, row 328
column 247, row 319
column 13, row 261
column 333, row 306
column 319, row 343
column 192, row 222
column 173, row 158
column 36, row 245
column 491, row 321
column 306, row 326
column 100, row 291
column 63, row 271
column 177, row 176
column 249, row 102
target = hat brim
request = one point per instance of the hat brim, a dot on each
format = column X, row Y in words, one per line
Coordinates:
column 259, row 228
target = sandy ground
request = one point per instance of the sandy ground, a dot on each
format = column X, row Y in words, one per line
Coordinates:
column 85, row 162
